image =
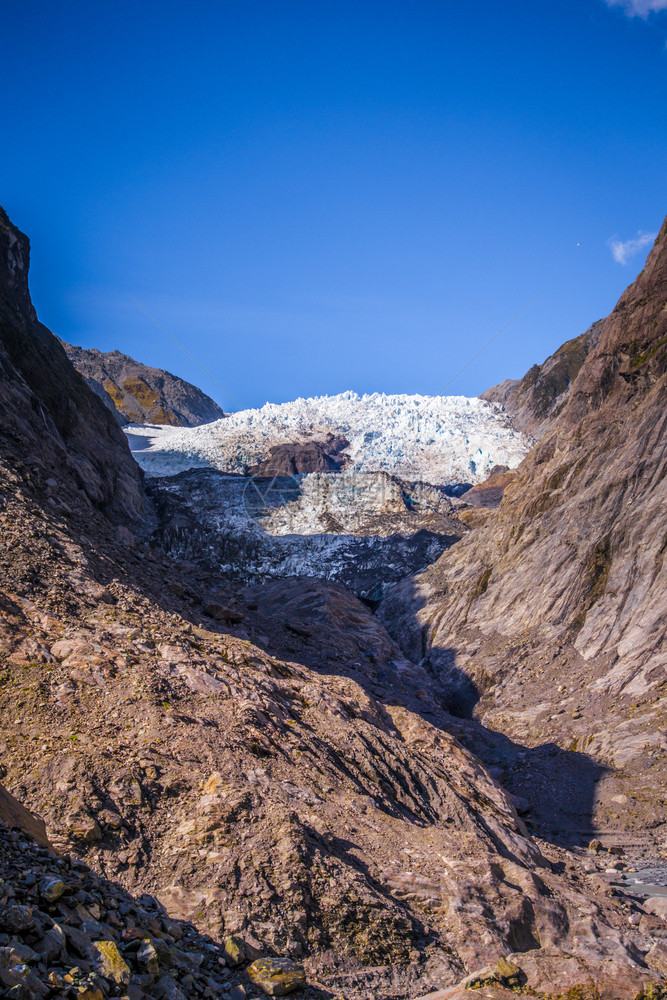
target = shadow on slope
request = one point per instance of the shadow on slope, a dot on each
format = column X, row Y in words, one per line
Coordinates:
column 323, row 627
column 366, row 531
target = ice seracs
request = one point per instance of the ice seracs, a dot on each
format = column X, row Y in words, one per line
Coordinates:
column 438, row 439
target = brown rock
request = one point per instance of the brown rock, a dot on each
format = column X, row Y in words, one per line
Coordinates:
column 277, row 976
column 138, row 394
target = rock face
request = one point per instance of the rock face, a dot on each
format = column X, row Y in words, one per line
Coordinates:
column 535, row 400
column 137, row 394
column 13, row 814
column 309, row 456
column 51, row 424
column 491, row 491
column 552, row 610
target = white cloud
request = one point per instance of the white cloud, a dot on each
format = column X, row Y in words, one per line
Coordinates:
column 639, row 8
column 622, row 251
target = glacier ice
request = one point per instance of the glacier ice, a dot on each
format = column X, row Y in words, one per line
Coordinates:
column 437, row 439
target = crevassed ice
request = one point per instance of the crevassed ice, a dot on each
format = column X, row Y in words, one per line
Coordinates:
column 439, row 439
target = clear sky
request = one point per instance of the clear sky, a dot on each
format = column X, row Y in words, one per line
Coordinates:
column 313, row 196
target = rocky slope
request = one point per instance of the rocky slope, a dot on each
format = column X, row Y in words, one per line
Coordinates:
column 137, row 394
column 536, row 399
column 438, row 439
column 549, row 616
column 290, row 782
column 267, row 763
column 66, row 932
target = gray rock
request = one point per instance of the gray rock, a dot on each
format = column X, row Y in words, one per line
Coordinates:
column 166, row 989
column 147, row 958
column 16, row 918
column 51, row 945
column 51, row 888
column 24, row 952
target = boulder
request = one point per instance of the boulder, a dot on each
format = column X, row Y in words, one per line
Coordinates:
column 109, row 963
column 277, row 976
column 51, row 888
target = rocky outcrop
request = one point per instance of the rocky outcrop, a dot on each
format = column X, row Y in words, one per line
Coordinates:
column 299, row 458
column 552, row 611
column 51, row 424
column 491, row 491
column 535, row 400
column 137, row 394
column 15, row 816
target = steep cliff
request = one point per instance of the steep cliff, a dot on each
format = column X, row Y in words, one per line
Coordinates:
column 137, row 394
column 551, row 613
column 51, row 424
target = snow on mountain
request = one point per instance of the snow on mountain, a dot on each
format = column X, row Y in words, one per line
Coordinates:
column 438, row 439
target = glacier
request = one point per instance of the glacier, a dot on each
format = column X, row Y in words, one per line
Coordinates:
column 364, row 530
column 436, row 439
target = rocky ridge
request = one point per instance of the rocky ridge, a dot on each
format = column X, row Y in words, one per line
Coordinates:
column 48, row 415
column 549, row 616
column 535, row 400
column 268, row 764
column 138, row 394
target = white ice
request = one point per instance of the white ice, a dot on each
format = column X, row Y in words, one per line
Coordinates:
column 436, row 439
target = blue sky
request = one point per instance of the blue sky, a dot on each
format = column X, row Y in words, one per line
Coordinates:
column 318, row 196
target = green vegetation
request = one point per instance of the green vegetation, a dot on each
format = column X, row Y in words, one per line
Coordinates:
column 639, row 357
column 482, row 584
column 596, row 571
column 653, row 991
